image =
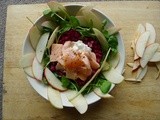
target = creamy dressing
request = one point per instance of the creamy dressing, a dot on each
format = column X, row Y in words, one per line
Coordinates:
column 80, row 47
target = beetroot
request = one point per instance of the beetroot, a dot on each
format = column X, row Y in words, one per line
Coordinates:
column 80, row 82
column 52, row 66
column 71, row 35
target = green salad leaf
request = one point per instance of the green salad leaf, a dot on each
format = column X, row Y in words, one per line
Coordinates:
column 105, row 33
column 46, row 29
column 65, row 81
column 46, row 57
column 85, row 32
column 104, row 23
column 53, row 15
column 73, row 21
column 105, row 86
column 47, row 12
column 113, row 42
column 44, row 80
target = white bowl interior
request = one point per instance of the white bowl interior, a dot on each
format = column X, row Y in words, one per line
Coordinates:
column 91, row 97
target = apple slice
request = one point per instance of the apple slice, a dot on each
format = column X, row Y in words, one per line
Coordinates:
column 134, row 50
column 52, row 37
column 79, row 102
column 136, row 65
column 37, row 69
column 34, row 36
column 48, row 24
column 130, row 64
column 92, row 19
column 136, row 57
column 156, row 57
column 141, row 43
column 114, row 60
column 139, row 31
column 80, row 13
column 53, row 80
column 113, row 76
column 113, row 30
column 41, row 46
column 27, row 60
column 29, row 71
column 98, row 92
column 152, row 37
column 56, row 7
column 132, row 80
column 106, row 66
column 148, row 54
column 141, row 73
column 82, row 21
column 54, row 97
column 101, row 38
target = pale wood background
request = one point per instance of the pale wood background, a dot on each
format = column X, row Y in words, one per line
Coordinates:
column 132, row 101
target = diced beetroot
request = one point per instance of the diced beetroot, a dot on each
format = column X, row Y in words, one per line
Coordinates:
column 80, row 82
column 71, row 35
column 52, row 66
column 61, row 72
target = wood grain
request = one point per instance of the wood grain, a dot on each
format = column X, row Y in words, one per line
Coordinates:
column 132, row 101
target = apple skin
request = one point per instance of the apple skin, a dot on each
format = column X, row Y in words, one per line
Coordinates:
column 53, row 80
column 136, row 65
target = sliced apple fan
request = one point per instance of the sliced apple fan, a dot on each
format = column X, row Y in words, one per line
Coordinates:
column 145, row 50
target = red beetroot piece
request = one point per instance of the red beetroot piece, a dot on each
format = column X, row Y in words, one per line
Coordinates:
column 71, row 35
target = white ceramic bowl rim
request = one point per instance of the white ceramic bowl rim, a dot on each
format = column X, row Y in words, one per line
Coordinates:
column 91, row 97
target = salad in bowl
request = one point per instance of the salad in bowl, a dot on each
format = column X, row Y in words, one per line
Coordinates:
column 73, row 56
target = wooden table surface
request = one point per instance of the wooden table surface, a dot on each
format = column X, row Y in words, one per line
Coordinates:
column 139, row 101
